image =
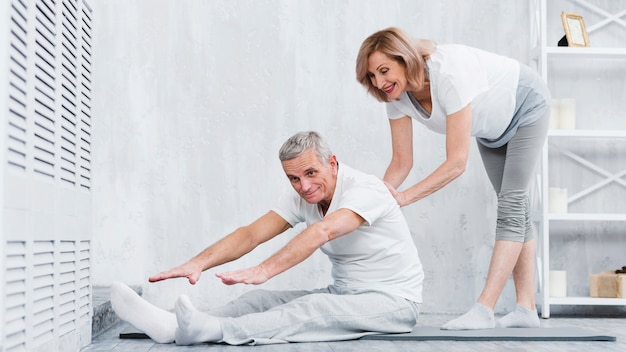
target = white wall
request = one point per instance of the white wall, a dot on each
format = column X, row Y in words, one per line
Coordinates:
column 192, row 100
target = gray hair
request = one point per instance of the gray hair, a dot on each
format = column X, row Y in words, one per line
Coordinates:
column 303, row 141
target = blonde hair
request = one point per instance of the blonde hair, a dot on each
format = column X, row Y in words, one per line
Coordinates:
column 409, row 52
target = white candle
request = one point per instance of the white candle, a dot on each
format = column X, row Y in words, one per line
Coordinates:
column 555, row 110
column 557, row 200
column 567, row 114
column 558, row 283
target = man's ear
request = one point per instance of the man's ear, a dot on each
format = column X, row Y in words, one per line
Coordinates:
column 332, row 161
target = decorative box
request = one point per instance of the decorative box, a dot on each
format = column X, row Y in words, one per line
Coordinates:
column 608, row 284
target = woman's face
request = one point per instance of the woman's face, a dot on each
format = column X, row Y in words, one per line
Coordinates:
column 387, row 75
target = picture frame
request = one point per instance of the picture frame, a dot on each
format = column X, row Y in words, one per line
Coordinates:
column 575, row 31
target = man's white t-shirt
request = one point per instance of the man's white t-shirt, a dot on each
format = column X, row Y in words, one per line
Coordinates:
column 379, row 255
column 460, row 75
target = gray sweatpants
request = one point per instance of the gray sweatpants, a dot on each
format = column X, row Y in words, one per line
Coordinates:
column 512, row 166
column 328, row 314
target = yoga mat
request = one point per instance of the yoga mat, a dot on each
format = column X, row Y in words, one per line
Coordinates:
column 130, row 333
column 423, row 333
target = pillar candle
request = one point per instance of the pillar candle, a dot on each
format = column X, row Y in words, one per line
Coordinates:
column 558, row 283
column 567, row 114
column 557, row 200
column 555, row 109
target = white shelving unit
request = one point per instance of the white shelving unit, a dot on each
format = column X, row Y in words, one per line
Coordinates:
column 548, row 55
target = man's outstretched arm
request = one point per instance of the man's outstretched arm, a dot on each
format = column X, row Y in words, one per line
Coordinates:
column 233, row 246
column 339, row 223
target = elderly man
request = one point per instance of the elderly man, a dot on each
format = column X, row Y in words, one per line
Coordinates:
column 350, row 216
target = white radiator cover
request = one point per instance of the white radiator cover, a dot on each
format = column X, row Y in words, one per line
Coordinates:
column 45, row 178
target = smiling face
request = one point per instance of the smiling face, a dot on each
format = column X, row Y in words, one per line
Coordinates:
column 387, row 74
column 311, row 178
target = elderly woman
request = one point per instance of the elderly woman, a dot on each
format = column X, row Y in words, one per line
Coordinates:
column 462, row 92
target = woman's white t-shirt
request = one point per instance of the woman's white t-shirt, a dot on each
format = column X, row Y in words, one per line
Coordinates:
column 461, row 75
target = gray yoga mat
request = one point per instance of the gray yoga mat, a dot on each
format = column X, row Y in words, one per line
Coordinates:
column 423, row 333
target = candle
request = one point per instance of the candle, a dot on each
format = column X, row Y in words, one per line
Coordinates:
column 558, row 283
column 567, row 114
column 557, row 200
column 555, row 110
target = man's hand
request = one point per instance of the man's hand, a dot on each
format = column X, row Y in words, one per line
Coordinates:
column 255, row 275
column 189, row 270
column 399, row 196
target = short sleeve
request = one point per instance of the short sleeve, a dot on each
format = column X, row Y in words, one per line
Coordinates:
column 370, row 200
column 290, row 209
column 393, row 112
column 459, row 82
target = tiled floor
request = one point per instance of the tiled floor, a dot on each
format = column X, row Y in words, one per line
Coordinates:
column 110, row 342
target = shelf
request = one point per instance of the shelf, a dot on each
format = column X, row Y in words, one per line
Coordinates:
column 587, row 301
column 591, row 52
column 586, row 217
column 587, row 133
column 590, row 149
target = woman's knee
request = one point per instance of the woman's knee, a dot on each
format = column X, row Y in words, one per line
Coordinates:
column 513, row 216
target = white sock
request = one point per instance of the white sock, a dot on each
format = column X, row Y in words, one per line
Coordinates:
column 479, row 317
column 521, row 317
column 158, row 324
column 195, row 326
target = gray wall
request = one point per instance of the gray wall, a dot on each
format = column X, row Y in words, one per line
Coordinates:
column 193, row 99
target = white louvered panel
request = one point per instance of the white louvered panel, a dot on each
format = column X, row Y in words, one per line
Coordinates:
column 69, row 92
column 70, row 28
column 43, row 156
column 44, row 96
column 43, row 269
column 85, row 55
column 42, row 329
column 66, row 310
column 84, row 143
column 66, row 286
column 46, row 277
column 67, row 274
column 16, row 155
column 14, row 315
column 16, row 142
column 43, row 285
column 43, row 291
column 67, row 152
column 68, row 161
column 84, row 293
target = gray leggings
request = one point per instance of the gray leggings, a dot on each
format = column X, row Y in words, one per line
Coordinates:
column 328, row 314
column 511, row 167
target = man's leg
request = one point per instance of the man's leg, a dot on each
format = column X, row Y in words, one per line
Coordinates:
column 159, row 324
column 314, row 317
column 257, row 301
column 195, row 326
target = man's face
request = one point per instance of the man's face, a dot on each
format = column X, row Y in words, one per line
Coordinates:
column 311, row 178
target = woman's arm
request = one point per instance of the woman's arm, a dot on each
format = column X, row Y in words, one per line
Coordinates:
column 402, row 151
column 458, row 136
